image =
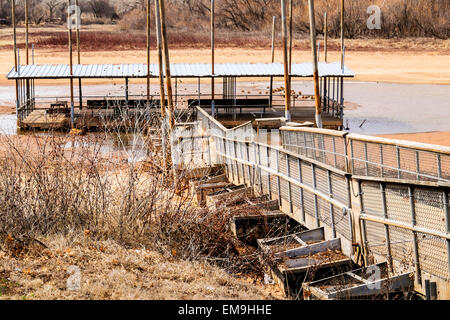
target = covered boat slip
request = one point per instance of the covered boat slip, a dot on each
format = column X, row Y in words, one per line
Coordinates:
column 232, row 106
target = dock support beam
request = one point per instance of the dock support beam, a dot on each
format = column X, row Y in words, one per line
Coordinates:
column 287, row 89
column 213, row 103
column 72, row 107
column 273, row 60
column 312, row 22
column 162, row 93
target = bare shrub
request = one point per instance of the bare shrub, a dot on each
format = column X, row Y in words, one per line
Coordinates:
column 109, row 185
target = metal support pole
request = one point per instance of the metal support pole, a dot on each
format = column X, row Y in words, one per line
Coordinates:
column 330, row 191
column 199, row 91
column 260, row 170
column 80, row 92
column 162, row 93
column 165, row 46
column 126, row 91
column 27, row 31
column 213, row 103
column 312, row 22
column 280, row 202
column 316, row 200
column 325, row 21
column 302, row 199
column 363, row 226
column 287, row 89
column 439, row 166
column 288, row 168
column 13, row 18
column 447, row 223
column 416, row 246
column 148, row 52
column 268, row 173
column 341, row 113
column 72, row 107
column 272, row 60
column 386, row 227
column 342, row 34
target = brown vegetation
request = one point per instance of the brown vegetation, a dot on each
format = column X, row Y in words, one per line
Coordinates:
column 400, row 18
column 67, row 201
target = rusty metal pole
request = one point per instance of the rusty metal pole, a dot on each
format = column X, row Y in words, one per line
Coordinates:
column 148, row 52
column 27, row 54
column 80, row 91
column 166, row 63
column 72, row 107
column 160, row 60
column 342, row 34
column 273, row 59
column 213, row 103
column 290, row 37
column 13, row 18
column 27, row 31
column 287, row 92
column 312, row 22
column 326, row 36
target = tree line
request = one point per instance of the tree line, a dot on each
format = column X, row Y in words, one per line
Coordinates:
column 399, row 18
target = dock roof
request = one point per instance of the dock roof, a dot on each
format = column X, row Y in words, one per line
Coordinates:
column 178, row 70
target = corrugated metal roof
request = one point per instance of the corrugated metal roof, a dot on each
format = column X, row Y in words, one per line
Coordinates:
column 179, row 70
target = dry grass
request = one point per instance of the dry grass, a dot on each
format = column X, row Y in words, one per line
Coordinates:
column 110, row 38
column 111, row 271
column 66, row 201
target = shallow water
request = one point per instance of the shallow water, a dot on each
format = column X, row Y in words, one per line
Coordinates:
column 383, row 108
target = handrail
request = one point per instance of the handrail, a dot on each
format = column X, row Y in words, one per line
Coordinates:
column 400, row 143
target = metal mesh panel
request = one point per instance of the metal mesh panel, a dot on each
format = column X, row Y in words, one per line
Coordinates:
column 376, row 238
column 324, row 211
column 372, row 199
column 398, row 204
column 308, row 199
column 322, row 180
column 379, row 159
column 433, row 255
column 328, row 149
column 429, row 207
column 402, row 245
column 307, row 174
column 339, row 187
column 342, row 223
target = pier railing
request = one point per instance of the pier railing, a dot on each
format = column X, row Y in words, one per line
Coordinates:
column 388, row 158
column 328, row 178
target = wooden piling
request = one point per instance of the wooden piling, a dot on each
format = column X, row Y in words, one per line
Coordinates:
column 342, row 34
column 13, row 18
column 27, row 31
column 213, row 106
column 273, row 59
column 287, row 90
column 72, row 107
column 80, row 90
column 325, row 31
column 312, row 22
column 160, row 60
column 166, row 63
column 290, row 37
column 148, row 53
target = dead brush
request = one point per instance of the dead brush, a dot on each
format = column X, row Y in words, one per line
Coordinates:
column 60, row 185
